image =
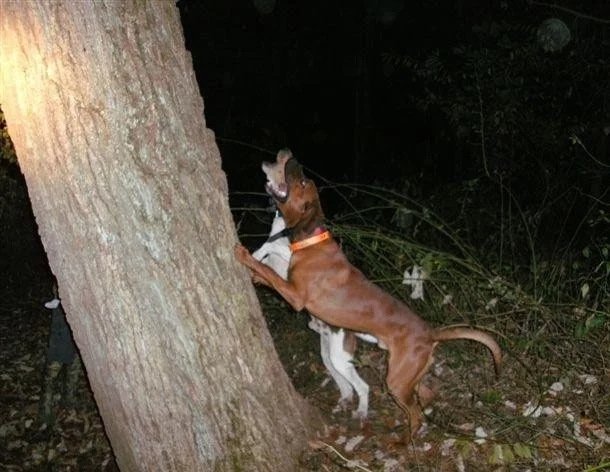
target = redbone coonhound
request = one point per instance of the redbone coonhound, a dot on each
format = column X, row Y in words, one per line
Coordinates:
column 323, row 281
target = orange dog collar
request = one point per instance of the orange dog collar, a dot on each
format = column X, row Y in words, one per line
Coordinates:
column 318, row 238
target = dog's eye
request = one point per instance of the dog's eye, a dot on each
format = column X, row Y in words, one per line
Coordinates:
column 303, row 183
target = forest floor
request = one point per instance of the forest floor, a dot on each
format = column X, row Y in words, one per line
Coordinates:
column 548, row 411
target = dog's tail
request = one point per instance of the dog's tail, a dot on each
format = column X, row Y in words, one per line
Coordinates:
column 449, row 333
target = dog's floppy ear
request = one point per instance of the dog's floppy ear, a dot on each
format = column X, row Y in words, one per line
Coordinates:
column 312, row 205
column 306, row 207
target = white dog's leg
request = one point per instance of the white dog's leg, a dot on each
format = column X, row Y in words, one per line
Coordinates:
column 341, row 360
column 345, row 387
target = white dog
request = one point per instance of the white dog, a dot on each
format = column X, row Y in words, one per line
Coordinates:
column 337, row 345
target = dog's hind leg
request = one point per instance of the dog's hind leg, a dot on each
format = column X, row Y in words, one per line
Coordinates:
column 345, row 387
column 342, row 345
column 406, row 367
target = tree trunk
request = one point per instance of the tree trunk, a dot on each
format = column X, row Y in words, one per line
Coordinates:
column 125, row 181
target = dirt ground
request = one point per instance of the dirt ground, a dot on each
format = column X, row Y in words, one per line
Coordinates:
column 545, row 412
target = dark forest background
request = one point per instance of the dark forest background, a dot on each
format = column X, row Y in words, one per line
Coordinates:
column 476, row 110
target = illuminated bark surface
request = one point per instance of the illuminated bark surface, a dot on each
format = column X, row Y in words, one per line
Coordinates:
column 125, row 181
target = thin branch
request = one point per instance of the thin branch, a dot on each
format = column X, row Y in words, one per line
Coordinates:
column 349, row 463
column 572, row 12
column 576, row 140
column 482, row 125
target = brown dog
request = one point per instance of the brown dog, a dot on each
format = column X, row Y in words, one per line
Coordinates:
column 323, row 281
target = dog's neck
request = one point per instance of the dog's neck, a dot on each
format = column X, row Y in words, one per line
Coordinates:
column 305, row 229
column 299, row 234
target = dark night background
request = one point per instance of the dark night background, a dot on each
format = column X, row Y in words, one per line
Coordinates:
column 462, row 130
column 396, row 94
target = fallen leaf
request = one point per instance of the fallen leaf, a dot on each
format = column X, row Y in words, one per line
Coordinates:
column 353, row 443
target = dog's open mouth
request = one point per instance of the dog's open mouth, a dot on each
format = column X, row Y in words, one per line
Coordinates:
column 276, row 185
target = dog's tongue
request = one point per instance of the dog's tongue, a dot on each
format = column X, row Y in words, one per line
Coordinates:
column 293, row 170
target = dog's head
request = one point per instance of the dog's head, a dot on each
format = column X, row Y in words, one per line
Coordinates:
column 295, row 195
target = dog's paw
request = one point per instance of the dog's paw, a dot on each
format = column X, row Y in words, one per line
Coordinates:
column 342, row 404
column 256, row 280
column 242, row 254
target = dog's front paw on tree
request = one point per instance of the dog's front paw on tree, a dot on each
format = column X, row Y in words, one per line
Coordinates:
column 242, row 255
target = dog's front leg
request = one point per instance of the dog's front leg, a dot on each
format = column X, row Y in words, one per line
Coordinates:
column 266, row 275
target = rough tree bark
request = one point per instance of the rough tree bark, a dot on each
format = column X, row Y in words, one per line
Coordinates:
column 125, row 181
